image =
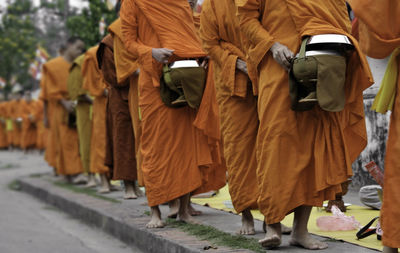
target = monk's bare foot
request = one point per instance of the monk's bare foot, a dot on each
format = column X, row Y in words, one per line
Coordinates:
column 155, row 221
column 138, row 192
column 286, row 230
column 183, row 213
column 173, row 208
column 247, row 223
column 80, row 179
column 187, row 218
column 306, row 241
column 272, row 237
column 387, row 249
column 91, row 181
column 104, row 190
column 194, row 212
column 129, row 190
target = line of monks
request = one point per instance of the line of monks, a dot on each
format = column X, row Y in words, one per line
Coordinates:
column 21, row 122
column 105, row 114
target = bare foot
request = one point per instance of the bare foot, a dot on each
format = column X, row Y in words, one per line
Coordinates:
column 104, row 189
column 272, row 237
column 192, row 211
column 173, row 208
column 306, row 241
column 155, row 221
column 80, row 179
column 247, row 223
column 183, row 213
column 286, row 230
column 129, row 190
column 187, row 218
column 91, row 181
column 138, row 192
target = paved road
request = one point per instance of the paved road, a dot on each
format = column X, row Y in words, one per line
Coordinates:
column 28, row 225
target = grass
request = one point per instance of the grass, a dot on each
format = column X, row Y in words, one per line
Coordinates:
column 14, row 186
column 8, row 166
column 147, row 213
column 217, row 237
column 35, row 175
column 87, row 191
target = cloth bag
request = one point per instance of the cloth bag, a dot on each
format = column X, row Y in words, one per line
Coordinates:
column 323, row 74
column 189, row 80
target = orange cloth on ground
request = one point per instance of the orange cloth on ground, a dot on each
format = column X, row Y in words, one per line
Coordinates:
column 379, row 29
column 126, row 66
column 41, row 130
column 28, row 130
column 3, row 126
column 94, row 83
column 180, row 146
column 63, row 139
column 303, row 157
column 378, row 25
column 221, row 36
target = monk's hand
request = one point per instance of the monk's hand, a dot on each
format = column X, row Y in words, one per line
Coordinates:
column 242, row 66
column 282, row 54
column 162, row 54
column 68, row 105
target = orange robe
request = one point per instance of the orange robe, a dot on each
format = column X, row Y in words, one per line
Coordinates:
column 179, row 146
column 17, row 126
column 379, row 31
column 41, row 130
column 94, row 83
column 3, row 126
column 222, row 40
column 126, row 66
column 9, row 111
column 303, row 157
column 64, row 140
column 29, row 131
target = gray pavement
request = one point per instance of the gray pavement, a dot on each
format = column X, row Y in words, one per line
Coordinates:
column 28, row 225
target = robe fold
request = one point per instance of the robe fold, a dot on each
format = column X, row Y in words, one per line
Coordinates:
column 64, row 143
column 28, row 127
column 303, row 157
column 222, row 40
column 83, row 110
column 126, row 66
column 41, row 130
column 17, row 113
column 120, row 136
column 94, row 83
column 180, row 147
column 379, row 31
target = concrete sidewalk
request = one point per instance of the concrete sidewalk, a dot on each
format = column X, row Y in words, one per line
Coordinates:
column 126, row 220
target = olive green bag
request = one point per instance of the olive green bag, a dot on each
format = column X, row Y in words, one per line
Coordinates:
column 323, row 74
column 188, row 82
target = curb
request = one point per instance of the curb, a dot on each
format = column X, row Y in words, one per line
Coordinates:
column 116, row 220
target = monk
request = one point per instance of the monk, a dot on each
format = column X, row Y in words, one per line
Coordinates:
column 222, row 40
column 83, row 120
column 180, row 147
column 303, row 157
column 29, row 130
column 3, row 126
column 41, row 130
column 379, row 32
column 16, row 116
column 58, row 110
column 93, row 82
column 120, row 70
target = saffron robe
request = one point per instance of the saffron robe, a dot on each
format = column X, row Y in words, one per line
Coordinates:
column 222, row 40
column 379, row 31
column 94, row 83
column 303, row 157
column 180, row 147
column 63, row 138
column 28, row 128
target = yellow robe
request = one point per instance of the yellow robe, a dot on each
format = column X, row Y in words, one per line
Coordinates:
column 83, row 120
